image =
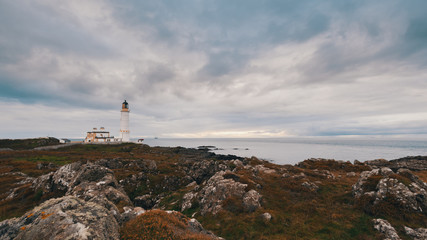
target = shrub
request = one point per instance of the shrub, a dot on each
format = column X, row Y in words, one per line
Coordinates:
column 158, row 224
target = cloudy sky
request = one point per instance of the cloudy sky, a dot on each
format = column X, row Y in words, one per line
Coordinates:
column 213, row 68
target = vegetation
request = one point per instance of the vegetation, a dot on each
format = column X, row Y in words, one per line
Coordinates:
column 157, row 224
column 22, row 144
column 297, row 212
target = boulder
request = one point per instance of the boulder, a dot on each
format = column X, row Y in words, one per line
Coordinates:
column 416, row 234
column 86, row 181
column 310, row 186
column 404, row 187
column 266, row 217
column 216, row 190
column 384, row 227
column 251, row 200
column 63, row 218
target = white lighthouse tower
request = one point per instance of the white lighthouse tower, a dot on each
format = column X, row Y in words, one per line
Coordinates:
column 124, row 122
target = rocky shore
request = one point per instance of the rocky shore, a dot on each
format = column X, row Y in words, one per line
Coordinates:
column 134, row 191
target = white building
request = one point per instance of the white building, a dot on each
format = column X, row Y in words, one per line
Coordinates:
column 100, row 136
column 124, row 122
column 103, row 136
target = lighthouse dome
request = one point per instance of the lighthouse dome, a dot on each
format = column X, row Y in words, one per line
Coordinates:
column 125, row 105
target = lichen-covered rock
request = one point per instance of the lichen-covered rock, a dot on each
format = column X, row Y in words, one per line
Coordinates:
column 416, row 234
column 251, row 200
column 216, row 190
column 202, row 170
column 187, row 200
column 380, row 184
column 310, row 186
column 86, row 181
column 63, row 218
column 384, row 227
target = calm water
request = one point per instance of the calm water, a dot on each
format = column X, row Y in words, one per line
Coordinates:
column 294, row 150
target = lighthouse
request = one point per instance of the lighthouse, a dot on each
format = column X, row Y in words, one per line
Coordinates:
column 124, row 122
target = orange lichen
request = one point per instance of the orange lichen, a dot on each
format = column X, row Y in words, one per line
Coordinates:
column 30, row 215
column 22, row 228
column 44, row 216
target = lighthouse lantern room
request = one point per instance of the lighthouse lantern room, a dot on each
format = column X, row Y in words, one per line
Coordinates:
column 124, row 122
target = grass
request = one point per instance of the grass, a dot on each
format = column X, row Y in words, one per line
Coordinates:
column 157, row 224
column 297, row 213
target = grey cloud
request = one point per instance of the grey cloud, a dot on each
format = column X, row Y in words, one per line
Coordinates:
column 225, row 91
column 27, row 25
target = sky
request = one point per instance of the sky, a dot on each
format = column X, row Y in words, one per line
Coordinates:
column 205, row 68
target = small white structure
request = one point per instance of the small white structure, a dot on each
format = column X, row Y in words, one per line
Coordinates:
column 124, row 122
column 99, row 136
column 64, row 140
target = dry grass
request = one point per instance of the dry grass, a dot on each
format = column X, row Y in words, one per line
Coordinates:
column 298, row 213
column 158, row 224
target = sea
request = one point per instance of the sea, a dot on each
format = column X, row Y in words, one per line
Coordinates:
column 294, row 150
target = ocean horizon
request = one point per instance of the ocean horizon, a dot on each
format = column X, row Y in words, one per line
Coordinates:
column 297, row 149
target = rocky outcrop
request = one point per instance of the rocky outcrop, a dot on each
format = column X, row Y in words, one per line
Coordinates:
column 404, row 187
column 216, row 190
column 68, row 217
column 86, row 181
column 384, row 227
column 416, row 234
column 202, row 170
column 220, row 187
column 414, row 163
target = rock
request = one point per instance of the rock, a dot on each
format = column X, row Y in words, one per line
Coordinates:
column 286, row 175
column 146, row 201
column 377, row 163
column 357, row 187
column 262, row 169
column 86, row 181
column 64, row 176
column 310, row 186
column 186, row 200
column 251, row 200
column 195, row 227
column 44, row 165
column 216, row 190
column 301, row 175
column 110, row 163
column 205, row 169
column 238, row 163
column 411, row 193
column 416, row 234
column 63, row 218
column 266, row 217
column 414, row 163
column 351, row 174
column 384, row 227
column 357, row 162
column 130, row 213
column 323, row 174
